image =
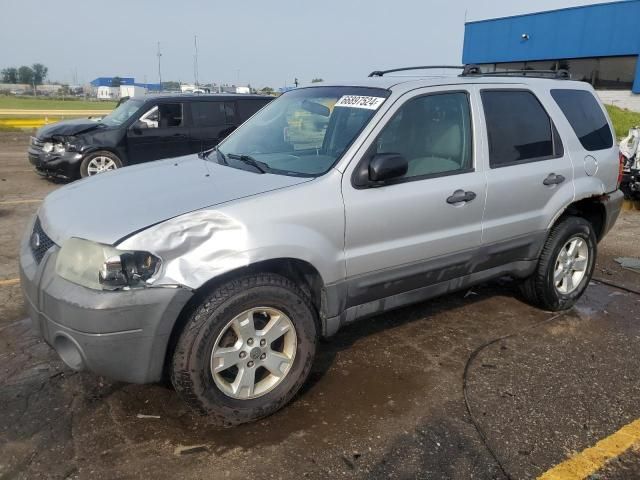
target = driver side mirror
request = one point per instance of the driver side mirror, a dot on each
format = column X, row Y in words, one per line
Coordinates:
column 387, row 166
column 138, row 126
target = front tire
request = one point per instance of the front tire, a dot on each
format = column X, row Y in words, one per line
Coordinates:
column 565, row 266
column 246, row 350
column 99, row 162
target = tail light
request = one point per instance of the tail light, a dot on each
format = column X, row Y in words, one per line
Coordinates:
column 621, row 168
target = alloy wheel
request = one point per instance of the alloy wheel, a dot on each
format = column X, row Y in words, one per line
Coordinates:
column 571, row 265
column 100, row 164
column 253, row 353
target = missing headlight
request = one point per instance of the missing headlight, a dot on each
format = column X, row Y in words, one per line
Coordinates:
column 128, row 270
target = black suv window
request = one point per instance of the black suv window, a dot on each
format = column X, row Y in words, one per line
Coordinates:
column 170, row 115
column 230, row 112
column 208, row 114
column 586, row 118
column 248, row 107
column 519, row 128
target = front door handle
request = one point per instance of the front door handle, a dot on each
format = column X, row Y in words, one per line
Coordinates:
column 460, row 196
column 553, row 179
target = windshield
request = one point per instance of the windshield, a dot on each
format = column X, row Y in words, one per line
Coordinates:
column 304, row 132
column 122, row 113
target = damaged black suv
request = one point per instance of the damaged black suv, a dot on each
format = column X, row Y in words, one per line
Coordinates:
column 139, row 130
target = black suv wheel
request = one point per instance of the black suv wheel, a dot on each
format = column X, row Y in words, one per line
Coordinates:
column 99, row 162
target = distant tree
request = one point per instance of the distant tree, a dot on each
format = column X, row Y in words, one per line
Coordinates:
column 171, row 85
column 25, row 75
column 10, row 75
column 65, row 90
column 39, row 73
column 116, row 82
column 317, row 80
column 267, row 91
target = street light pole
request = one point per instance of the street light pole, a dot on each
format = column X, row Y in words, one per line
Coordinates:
column 195, row 60
column 159, row 69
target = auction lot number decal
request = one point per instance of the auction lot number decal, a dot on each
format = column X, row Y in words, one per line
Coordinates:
column 360, row 101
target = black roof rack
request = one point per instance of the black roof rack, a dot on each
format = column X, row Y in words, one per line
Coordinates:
column 476, row 71
column 381, row 73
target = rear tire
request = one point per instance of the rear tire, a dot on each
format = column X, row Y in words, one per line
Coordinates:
column 565, row 266
column 216, row 350
column 99, row 162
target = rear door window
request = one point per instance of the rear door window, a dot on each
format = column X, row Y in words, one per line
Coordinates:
column 518, row 127
column 230, row 112
column 586, row 118
column 208, row 114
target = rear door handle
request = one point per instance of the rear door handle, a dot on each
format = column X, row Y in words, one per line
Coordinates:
column 460, row 196
column 553, row 179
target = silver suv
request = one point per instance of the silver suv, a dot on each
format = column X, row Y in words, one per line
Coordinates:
column 333, row 203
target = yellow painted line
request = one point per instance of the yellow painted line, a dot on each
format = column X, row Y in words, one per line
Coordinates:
column 18, row 202
column 9, row 282
column 589, row 461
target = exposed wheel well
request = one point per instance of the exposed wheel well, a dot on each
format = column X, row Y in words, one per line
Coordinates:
column 592, row 210
column 305, row 275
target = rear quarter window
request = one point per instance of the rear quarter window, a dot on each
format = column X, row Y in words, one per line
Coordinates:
column 586, row 117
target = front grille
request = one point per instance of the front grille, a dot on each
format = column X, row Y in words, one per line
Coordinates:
column 39, row 242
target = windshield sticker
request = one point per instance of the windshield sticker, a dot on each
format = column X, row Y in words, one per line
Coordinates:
column 360, row 101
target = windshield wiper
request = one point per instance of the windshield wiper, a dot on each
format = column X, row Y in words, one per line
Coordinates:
column 204, row 154
column 249, row 160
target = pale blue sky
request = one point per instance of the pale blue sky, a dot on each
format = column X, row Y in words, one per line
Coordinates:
column 270, row 43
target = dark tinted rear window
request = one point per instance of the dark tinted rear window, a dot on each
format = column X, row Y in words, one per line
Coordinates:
column 248, row 107
column 519, row 128
column 208, row 114
column 586, row 118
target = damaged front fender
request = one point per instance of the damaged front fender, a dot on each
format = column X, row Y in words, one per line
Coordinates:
column 194, row 247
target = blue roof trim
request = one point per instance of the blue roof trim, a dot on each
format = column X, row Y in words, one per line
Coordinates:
column 577, row 7
column 603, row 30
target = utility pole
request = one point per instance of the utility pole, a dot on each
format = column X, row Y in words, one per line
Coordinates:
column 195, row 60
column 159, row 69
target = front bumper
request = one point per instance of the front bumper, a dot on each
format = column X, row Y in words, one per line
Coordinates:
column 64, row 165
column 122, row 335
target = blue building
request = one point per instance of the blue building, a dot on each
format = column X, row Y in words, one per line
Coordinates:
column 106, row 81
column 599, row 43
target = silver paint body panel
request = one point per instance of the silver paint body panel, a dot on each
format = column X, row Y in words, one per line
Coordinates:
column 203, row 220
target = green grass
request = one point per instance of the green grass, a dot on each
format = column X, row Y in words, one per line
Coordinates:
column 622, row 120
column 54, row 104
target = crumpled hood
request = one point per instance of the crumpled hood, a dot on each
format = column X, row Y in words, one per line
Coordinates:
column 67, row 128
column 110, row 206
